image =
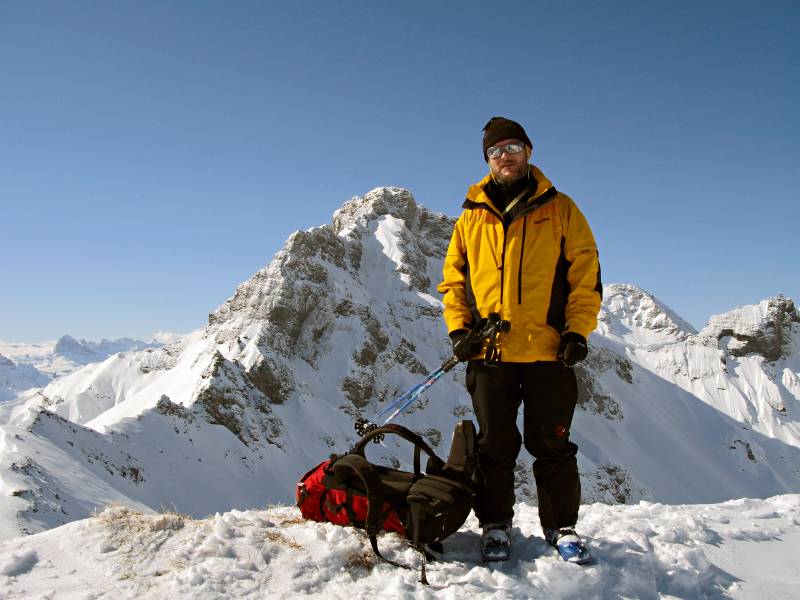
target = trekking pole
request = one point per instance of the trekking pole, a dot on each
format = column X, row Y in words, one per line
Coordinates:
column 484, row 329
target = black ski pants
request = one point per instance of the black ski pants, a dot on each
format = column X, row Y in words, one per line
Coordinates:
column 548, row 393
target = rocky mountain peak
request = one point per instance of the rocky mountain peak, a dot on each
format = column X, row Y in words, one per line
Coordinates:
column 766, row 328
column 354, row 215
column 362, row 281
column 628, row 309
column 305, row 269
column 71, row 348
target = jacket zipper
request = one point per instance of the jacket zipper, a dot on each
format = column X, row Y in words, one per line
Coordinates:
column 521, row 256
column 503, row 263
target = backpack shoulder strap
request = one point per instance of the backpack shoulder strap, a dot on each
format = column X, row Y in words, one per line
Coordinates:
column 366, row 472
column 403, row 432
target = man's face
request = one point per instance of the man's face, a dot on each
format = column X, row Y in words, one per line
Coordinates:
column 508, row 168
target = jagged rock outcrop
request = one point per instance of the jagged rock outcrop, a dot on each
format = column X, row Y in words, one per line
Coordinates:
column 592, row 394
column 766, row 329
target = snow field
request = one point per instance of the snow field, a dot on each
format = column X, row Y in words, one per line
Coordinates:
column 647, row 550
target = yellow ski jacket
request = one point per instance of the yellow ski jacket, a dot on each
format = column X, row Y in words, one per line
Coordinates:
column 538, row 269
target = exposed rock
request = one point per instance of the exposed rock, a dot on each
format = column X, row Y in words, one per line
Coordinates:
column 231, row 400
column 404, row 355
column 166, row 407
column 764, row 329
column 591, row 394
column 613, row 484
column 359, row 390
column 272, row 379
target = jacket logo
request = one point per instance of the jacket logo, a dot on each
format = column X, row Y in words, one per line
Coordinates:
column 542, row 220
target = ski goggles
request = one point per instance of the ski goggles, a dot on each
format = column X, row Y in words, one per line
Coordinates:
column 512, row 148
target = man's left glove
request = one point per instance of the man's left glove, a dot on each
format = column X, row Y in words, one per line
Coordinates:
column 572, row 349
column 463, row 347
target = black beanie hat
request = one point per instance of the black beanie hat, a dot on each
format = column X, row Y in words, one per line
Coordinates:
column 500, row 128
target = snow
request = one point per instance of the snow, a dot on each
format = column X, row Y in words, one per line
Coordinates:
column 387, row 233
column 737, row 549
column 18, row 563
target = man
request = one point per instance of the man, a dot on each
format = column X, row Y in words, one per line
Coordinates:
column 523, row 250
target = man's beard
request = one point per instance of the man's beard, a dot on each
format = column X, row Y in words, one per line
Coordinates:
column 511, row 178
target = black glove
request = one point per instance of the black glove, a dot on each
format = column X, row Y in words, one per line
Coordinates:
column 572, row 349
column 464, row 349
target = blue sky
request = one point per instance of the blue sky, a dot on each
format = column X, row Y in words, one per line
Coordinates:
column 153, row 155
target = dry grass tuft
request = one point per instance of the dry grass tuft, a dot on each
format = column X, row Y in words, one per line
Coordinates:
column 360, row 560
column 292, row 521
column 278, row 538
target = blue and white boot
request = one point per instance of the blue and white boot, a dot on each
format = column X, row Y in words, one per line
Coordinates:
column 496, row 542
column 569, row 545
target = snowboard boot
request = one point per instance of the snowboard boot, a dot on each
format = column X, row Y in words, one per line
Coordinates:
column 496, row 541
column 569, row 545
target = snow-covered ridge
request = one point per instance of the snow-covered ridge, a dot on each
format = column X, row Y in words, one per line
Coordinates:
column 636, row 316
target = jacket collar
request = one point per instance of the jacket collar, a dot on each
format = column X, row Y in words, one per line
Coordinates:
column 477, row 195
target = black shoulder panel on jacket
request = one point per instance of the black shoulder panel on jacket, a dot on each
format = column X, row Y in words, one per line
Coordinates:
column 559, row 294
column 472, row 205
column 546, row 196
column 472, row 303
column 598, row 286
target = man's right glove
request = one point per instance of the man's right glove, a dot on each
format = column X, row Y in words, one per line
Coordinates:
column 463, row 348
column 572, row 349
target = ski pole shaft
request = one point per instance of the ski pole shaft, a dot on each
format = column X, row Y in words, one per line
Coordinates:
column 433, row 378
column 415, row 391
column 398, row 401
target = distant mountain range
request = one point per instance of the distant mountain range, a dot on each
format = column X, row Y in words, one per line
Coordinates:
column 345, row 318
column 25, row 366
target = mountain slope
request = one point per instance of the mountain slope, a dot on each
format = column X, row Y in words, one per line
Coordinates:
column 344, row 319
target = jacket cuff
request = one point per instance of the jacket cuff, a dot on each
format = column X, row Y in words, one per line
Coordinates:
column 573, row 335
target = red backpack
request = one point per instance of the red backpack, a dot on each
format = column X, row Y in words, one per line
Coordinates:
column 424, row 508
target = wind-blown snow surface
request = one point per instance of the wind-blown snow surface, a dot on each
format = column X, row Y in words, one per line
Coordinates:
column 738, row 549
column 345, row 318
